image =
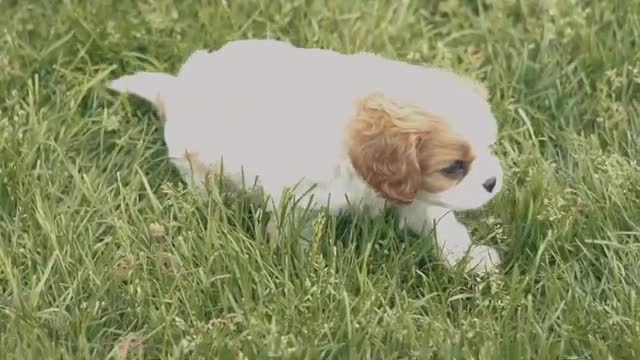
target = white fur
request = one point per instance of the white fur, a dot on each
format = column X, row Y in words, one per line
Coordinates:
column 278, row 113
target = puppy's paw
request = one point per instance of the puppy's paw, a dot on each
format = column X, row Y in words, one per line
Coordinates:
column 482, row 259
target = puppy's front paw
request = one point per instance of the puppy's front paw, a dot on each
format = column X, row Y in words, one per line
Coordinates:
column 482, row 259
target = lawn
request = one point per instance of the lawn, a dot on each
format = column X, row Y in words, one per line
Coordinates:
column 104, row 251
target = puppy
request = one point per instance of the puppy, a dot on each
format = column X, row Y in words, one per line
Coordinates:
column 335, row 129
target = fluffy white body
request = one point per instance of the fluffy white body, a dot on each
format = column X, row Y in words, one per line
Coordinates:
column 278, row 113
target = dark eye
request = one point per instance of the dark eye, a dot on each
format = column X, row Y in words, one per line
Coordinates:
column 456, row 168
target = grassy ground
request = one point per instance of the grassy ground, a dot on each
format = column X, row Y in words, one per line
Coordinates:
column 103, row 252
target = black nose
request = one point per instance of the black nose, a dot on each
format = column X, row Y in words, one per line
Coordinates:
column 489, row 184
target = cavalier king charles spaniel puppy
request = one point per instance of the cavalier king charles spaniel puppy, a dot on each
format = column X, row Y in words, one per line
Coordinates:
column 339, row 129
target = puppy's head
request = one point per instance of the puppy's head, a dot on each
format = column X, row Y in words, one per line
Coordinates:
column 406, row 153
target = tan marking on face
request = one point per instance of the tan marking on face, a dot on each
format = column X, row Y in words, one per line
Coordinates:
column 400, row 150
column 440, row 154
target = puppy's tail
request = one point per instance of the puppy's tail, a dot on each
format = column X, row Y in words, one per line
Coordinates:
column 149, row 86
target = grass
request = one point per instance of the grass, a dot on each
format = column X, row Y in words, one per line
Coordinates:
column 105, row 254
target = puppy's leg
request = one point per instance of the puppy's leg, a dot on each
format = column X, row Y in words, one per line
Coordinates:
column 451, row 236
column 285, row 217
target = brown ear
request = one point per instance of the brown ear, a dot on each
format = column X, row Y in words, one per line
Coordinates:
column 385, row 137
